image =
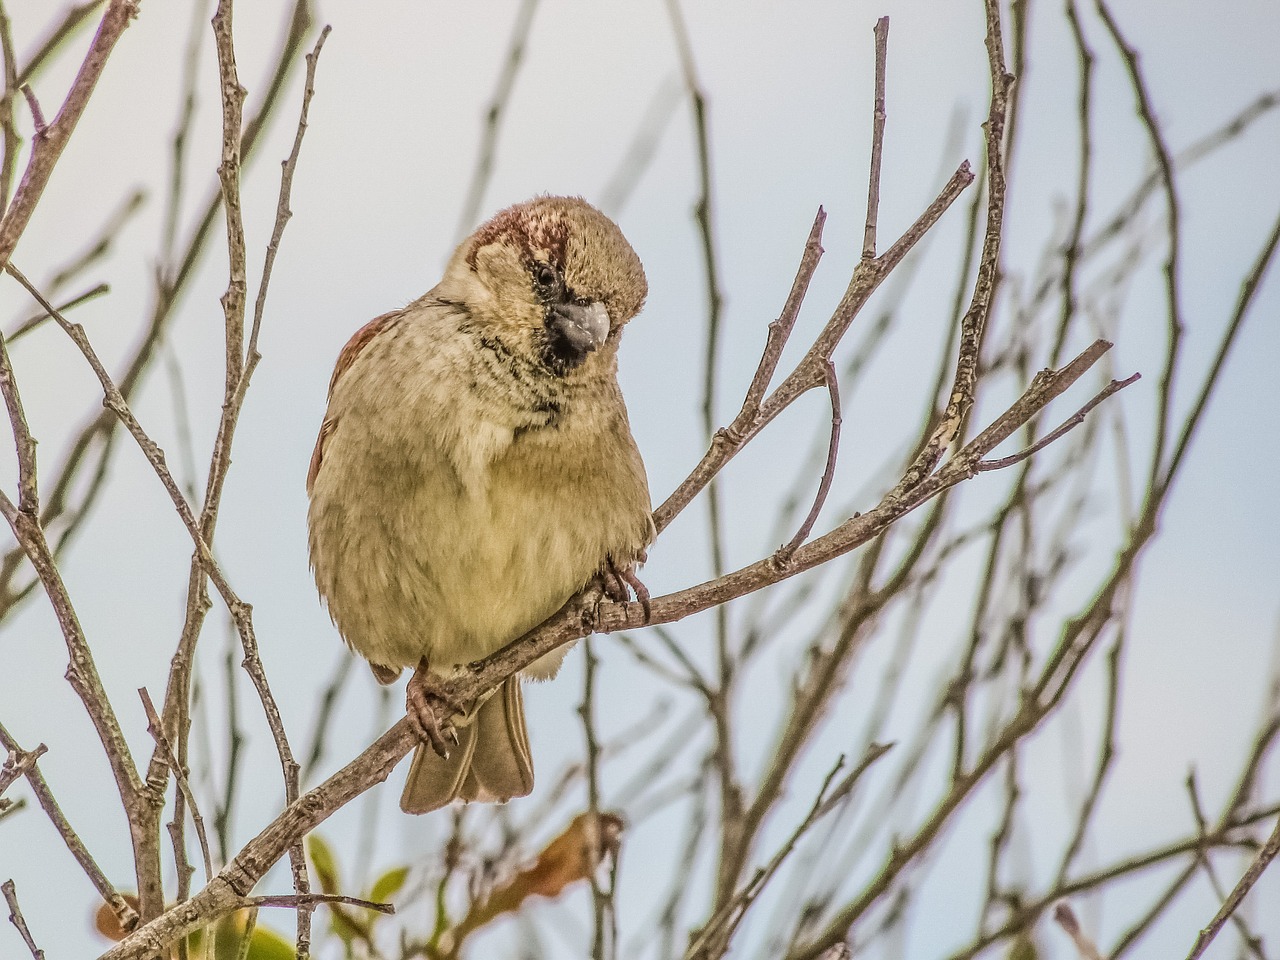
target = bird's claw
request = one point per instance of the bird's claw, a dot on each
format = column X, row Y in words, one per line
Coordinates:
column 431, row 706
column 619, row 583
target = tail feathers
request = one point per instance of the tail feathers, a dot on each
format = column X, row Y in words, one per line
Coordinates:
column 490, row 764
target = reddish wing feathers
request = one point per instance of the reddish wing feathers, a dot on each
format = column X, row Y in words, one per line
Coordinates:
column 317, row 454
column 357, row 343
column 347, row 357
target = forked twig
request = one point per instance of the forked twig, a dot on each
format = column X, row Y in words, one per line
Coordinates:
column 1077, row 418
column 125, row 914
column 156, row 728
column 713, row 940
column 779, row 332
column 49, row 145
column 37, row 114
column 1246, row 883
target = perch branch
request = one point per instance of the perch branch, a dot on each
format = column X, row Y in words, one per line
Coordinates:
column 584, row 614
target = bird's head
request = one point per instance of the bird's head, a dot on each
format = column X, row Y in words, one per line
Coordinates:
column 553, row 278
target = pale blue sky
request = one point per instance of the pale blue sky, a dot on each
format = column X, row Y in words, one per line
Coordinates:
column 394, row 129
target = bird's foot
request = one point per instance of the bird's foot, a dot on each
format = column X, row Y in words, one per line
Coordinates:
column 620, row 582
column 431, row 706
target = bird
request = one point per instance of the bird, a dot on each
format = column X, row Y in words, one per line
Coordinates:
column 475, row 468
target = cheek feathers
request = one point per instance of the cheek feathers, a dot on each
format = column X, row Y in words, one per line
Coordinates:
column 500, row 293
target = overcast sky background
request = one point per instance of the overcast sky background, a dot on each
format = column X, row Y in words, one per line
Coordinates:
column 401, row 93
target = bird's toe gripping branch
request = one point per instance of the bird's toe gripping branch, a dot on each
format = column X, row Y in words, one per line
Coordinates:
column 432, row 706
column 621, row 582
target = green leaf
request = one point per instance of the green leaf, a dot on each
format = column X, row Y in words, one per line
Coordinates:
column 325, row 862
column 269, row 945
column 388, row 885
column 265, row 944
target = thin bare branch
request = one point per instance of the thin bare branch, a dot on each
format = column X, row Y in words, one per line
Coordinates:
column 808, row 373
column 125, row 914
column 1213, row 376
column 75, row 17
column 643, row 147
column 156, row 729
column 239, row 369
column 294, row 901
column 973, row 325
column 1066, row 426
column 8, row 126
column 1173, row 213
column 605, row 924
column 713, row 940
column 877, row 141
column 53, row 139
column 1246, row 883
column 779, row 332
column 828, row 472
column 16, row 918
column 283, row 214
column 37, row 112
column 28, row 486
column 33, row 322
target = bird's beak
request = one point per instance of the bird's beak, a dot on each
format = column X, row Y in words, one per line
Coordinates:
column 582, row 328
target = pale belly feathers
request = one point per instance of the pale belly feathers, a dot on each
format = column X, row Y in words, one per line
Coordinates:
column 457, row 541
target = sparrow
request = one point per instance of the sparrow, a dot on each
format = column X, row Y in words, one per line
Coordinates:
column 475, row 469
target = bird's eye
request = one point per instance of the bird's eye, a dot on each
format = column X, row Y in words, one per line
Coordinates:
column 545, row 276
